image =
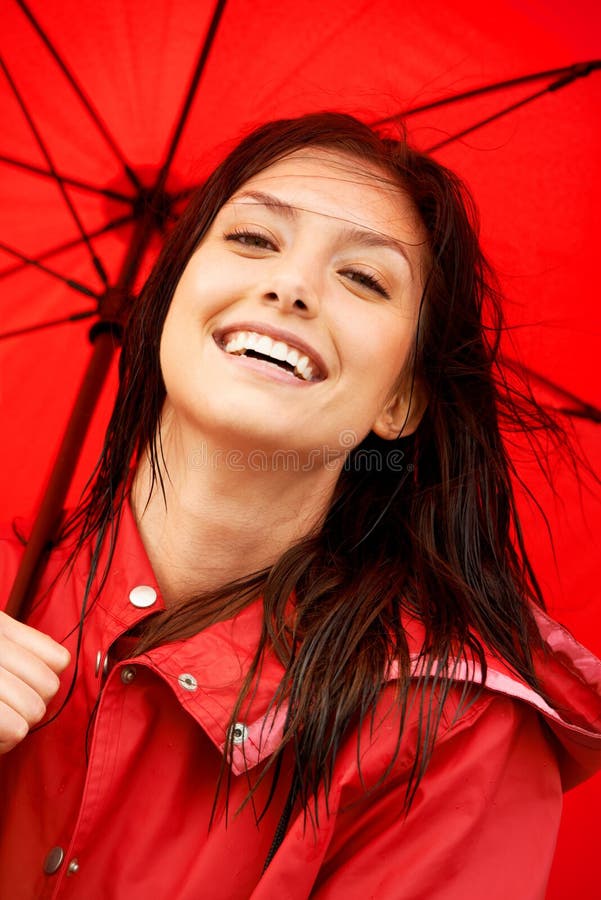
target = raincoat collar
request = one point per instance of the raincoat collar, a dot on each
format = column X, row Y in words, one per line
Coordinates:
column 207, row 670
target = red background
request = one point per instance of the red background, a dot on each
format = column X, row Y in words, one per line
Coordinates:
column 534, row 173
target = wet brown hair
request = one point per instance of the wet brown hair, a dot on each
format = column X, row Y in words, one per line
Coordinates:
column 439, row 538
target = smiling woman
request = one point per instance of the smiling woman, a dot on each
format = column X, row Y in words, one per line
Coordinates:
column 302, row 624
column 315, row 266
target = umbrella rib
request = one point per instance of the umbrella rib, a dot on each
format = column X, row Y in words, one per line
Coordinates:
column 594, row 416
column 93, row 113
column 41, row 144
column 183, row 194
column 486, row 121
column 579, row 71
column 50, row 323
column 185, row 111
column 68, row 245
column 566, row 75
column 581, row 408
column 70, row 282
column 67, row 179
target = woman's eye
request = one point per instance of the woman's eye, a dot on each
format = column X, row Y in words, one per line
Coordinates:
column 250, row 239
column 367, row 280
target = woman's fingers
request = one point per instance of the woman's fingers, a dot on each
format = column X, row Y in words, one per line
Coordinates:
column 25, row 708
column 13, row 727
column 20, row 697
column 30, row 662
column 28, row 668
column 41, row 645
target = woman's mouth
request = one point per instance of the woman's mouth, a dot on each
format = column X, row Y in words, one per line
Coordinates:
column 273, row 354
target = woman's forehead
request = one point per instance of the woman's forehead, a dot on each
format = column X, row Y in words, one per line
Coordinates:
column 338, row 186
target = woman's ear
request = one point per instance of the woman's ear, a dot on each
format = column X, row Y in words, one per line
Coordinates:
column 390, row 423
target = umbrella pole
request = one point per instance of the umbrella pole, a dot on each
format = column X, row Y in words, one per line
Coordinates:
column 51, row 507
column 104, row 337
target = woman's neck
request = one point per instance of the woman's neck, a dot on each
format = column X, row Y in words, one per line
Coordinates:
column 221, row 521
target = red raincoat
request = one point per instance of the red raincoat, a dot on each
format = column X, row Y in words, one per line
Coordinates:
column 133, row 821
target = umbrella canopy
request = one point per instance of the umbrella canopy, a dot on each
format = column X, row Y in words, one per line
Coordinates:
column 112, row 112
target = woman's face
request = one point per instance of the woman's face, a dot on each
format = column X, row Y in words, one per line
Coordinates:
column 318, row 257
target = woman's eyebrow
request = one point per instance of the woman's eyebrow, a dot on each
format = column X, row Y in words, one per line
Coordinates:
column 269, row 200
column 362, row 236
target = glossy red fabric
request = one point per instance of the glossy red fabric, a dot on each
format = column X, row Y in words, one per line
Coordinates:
column 534, row 173
column 134, row 821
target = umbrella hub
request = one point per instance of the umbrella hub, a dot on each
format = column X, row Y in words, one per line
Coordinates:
column 159, row 203
column 149, row 198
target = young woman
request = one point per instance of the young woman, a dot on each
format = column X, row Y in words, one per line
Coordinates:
column 307, row 654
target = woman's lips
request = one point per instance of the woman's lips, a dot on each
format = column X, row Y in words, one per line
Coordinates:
column 266, row 369
column 276, row 334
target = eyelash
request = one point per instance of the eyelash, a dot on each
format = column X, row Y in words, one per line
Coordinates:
column 368, row 280
column 238, row 233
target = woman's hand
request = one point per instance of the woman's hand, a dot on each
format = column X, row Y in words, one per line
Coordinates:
column 30, row 663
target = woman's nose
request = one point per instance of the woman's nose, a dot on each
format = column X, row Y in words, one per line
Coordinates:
column 292, row 291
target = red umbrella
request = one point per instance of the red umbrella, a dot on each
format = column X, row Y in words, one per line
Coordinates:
column 111, row 112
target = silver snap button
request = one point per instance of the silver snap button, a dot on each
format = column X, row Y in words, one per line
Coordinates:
column 53, row 861
column 73, row 867
column 142, row 596
column 238, row 733
column 187, row 681
column 99, row 664
column 128, row 674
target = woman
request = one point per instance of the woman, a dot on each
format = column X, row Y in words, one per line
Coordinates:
column 308, row 655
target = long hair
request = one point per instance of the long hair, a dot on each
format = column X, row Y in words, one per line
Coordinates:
column 438, row 537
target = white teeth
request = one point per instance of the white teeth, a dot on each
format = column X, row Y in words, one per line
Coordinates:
column 279, row 350
column 303, row 367
column 240, row 341
column 264, row 345
column 236, row 343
